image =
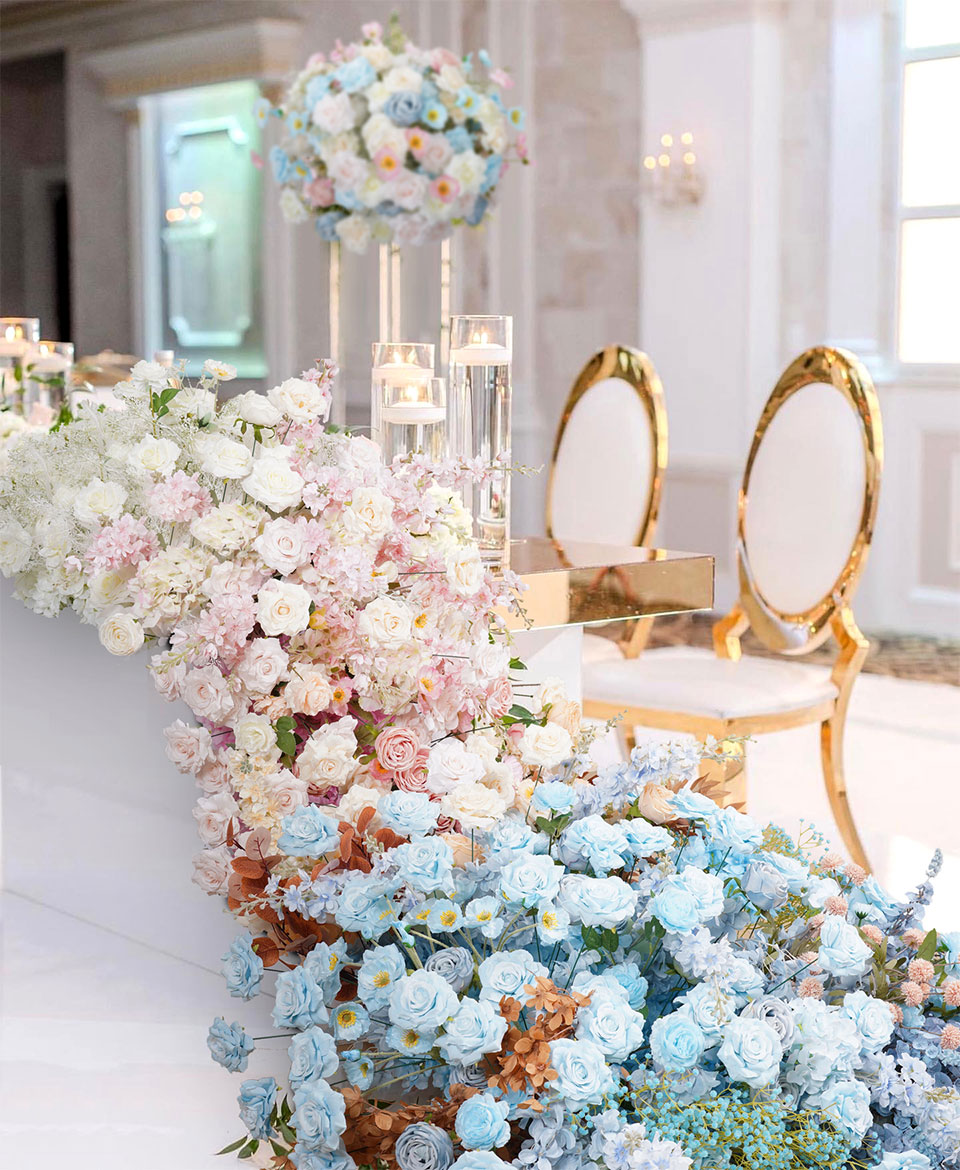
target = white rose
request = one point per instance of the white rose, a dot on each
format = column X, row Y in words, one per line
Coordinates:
column 450, row 79
column 15, row 546
column 379, row 131
column 224, row 459
column 449, row 765
column 353, row 803
column 347, row 169
column 468, row 168
column 281, row 546
column 283, row 608
column 255, row 735
column 373, row 191
column 545, row 747
column 408, row 190
column 292, row 207
column 213, row 814
column 194, row 400
column 378, row 55
column 368, row 515
column 334, row 113
column 491, row 659
column 465, row 571
column 121, row 634
column 257, row 409
column 262, row 665
column 359, row 453
column 154, row 456
column 377, row 96
column 474, row 805
column 328, row 755
column 212, row 869
column 354, row 231
column 99, row 501
column 227, row 527
column 552, row 690
column 308, row 692
column 273, row 481
column 403, row 79
column 386, row 621
column 151, row 376
column 188, row 748
column 300, row 400
column 207, row 694
column 287, row 792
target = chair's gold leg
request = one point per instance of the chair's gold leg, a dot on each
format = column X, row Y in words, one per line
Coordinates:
column 831, row 756
column 627, row 736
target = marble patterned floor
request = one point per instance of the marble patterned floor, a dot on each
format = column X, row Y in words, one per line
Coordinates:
column 103, row 1064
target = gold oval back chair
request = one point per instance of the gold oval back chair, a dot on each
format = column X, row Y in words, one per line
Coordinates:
column 606, row 472
column 807, row 507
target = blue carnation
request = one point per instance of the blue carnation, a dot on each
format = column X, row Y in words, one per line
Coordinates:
column 481, row 1122
column 256, row 1104
column 355, row 75
column 410, row 814
column 403, row 108
column 317, row 87
column 308, row 832
column 229, row 1045
column 242, row 967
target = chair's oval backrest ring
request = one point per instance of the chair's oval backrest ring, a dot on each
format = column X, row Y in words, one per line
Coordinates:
column 808, row 501
column 610, row 453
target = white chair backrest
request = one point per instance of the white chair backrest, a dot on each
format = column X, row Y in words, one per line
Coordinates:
column 805, row 501
column 809, row 497
column 604, row 483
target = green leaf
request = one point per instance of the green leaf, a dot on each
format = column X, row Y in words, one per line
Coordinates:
column 289, row 1134
column 286, row 1109
column 519, row 712
column 249, row 1149
column 287, row 743
column 928, row 948
column 285, row 723
column 516, row 664
column 280, row 1151
column 233, row 1146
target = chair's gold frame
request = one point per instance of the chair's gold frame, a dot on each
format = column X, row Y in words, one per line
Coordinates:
column 636, row 369
column 795, row 633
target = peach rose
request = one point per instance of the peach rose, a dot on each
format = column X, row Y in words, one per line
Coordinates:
column 499, row 697
column 397, row 749
column 656, row 804
column 414, row 778
column 308, row 691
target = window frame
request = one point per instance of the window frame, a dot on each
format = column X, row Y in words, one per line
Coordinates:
column 928, row 373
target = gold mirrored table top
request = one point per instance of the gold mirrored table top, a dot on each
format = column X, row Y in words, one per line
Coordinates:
column 574, row 583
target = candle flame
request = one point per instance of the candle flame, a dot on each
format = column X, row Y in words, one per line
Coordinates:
column 11, row 333
column 480, row 338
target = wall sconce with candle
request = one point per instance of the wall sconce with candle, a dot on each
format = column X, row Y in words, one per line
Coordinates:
column 672, row 176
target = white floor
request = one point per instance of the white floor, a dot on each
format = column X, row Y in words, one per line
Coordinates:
column 102, row 1056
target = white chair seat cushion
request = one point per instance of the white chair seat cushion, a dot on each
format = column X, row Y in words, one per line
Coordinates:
column 696, row 682
column 597, row 648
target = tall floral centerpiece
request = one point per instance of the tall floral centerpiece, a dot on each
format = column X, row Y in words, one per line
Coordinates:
column 481, row 951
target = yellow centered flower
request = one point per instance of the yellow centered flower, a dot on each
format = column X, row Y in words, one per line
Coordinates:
column 423, row 915
column 339, row 694
column 484, row 916
column 381, row 979
column 448, row 917
column 317, row 620
column 420, row 620
column 346, row 1017
column 550, row 920
column 411, row 1039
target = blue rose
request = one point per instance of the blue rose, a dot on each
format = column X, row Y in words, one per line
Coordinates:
column 842, row 951
column 319, row 1117
column 507, row 973
column 872, row 1017
column 403, row 108
column 530, row 879
column 479, row 1160
column 583, row 1076
column 454, row 965
column 594, row 840
column 308, row 832
column 751, row 1052
column 677, row 1042
column 322, row 1160
column 615, row 1028
column 427, row 864
column 299, row 1001
column 645, row 839
column 476, row 1029
column 256, row 1104
column 326, row 225
column 379, row 971
column 607, row 902
column 422, row 1146
column 764, row 885
column 242, row 967
column 849, row 1102
column 229, row 1045
column 422, row 1001
column 313, row 1056
column 409, row 814
column 355, row 75
column 481, row 1122
column 633, row 983
column 694, row 806
column 553, row 796
column 459, row 140
column 686, row 900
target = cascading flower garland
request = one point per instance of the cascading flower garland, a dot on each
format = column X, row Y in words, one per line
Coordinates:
column 386, row 141
column 483, row 951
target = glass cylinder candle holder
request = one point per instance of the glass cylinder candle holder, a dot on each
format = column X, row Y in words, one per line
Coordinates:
column 400, row 368
column 18, row 335
column 47, row 372
column 413, row 419
column 481, row 355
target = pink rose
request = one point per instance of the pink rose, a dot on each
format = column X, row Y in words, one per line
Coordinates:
column 318, row 192
column 397, row 749
column 441, row 57
column 499, row 697
column 414, row 778
column 435, row 154
column 188, row 748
